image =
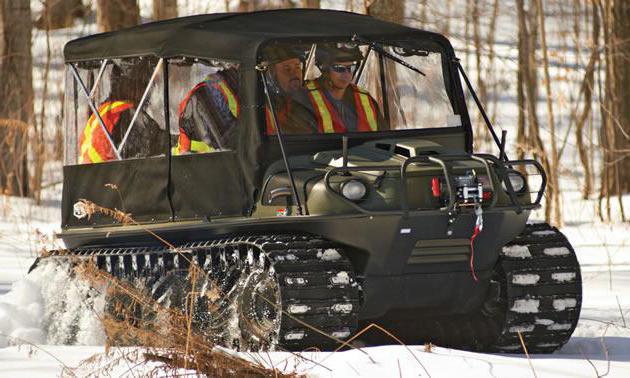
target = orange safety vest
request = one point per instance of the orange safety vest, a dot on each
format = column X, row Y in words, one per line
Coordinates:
column 329, row 121
column 184, row 143
column 281, row 115
column 94, row 146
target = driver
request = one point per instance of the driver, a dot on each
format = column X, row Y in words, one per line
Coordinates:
column 287, row 93
column 339, row 105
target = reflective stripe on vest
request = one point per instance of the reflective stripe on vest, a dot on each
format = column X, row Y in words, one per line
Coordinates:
column 184, row 144
column 271, row 127
column 322, row 110
column 195, row 147
column 95, row 147
column 227, row 93
column 327, row 117
column 365, row 111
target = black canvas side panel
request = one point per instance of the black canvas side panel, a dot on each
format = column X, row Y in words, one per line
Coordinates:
column 207, row 185
column 141, row 183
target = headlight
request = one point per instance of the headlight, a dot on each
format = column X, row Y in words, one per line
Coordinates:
column 517, row 180
column 354, row 190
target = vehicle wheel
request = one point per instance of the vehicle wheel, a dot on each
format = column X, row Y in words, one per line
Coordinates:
column 259, row 311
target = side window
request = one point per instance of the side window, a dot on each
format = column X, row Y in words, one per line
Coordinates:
column 204, row 105
column 114, row 110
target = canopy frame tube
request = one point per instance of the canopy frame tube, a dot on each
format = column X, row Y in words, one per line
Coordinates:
column 156, row 71
column 77, row 77
column 98, row 77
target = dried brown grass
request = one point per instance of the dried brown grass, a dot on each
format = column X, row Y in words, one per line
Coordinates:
column 165, row 334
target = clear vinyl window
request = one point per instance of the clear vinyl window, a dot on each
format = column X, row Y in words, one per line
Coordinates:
column 323, row 88
column 114, row 110
column 204, row 105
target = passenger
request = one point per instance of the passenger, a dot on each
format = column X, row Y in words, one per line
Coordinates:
column 128, row 83
column 288, row 94
column 208, row 114
column 340, row 106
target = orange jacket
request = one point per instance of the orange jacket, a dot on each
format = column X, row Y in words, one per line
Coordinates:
column 93, row 144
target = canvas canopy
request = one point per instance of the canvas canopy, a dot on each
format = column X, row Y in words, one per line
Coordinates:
column 236, row 36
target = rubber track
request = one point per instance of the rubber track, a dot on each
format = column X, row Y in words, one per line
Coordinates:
column 543, row 291
column 317, row 282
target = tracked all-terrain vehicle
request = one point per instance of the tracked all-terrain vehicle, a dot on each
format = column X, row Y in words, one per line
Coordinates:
column 307, row 233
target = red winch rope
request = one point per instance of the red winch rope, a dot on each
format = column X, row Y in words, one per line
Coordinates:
column 472, row 253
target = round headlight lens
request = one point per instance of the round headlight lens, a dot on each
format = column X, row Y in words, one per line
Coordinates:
column 517, row 180
column 353, row 190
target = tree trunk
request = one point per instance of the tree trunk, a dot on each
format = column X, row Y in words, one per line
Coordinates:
column 423, row 13
column 59, row 14
column 446, row 29
column 490, row 73
column 388, row 10
column 620, row 145
column 587, row 88
column 481, row 87
column 164, row 9
column 521, row 132
column 615, row 131
column 554, row 172
column 310, row 4
column 528, row 30
column 116, row 14
column 254, row 5
column 16, row 92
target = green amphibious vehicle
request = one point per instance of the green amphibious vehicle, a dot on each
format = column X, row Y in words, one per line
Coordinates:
column 319, row 167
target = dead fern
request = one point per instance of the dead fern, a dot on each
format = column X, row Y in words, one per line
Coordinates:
column 135, row 318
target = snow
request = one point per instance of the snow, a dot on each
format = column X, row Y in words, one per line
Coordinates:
column 341, row 278
column 526, row 306
column 563, row 277
column 47, row 307
column 559, row 251
column 344, row 308
column 545, row 322
column 329, row 254
column 298, row 309
column 600, row 337
column 295, row 335
column 543, row 233
column 525, row 279
column 520, row 251
column 564, row 303
column 522, row 328
column 559, row 327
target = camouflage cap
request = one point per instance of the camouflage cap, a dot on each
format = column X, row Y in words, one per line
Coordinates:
column 280, row 53
column 327, row 55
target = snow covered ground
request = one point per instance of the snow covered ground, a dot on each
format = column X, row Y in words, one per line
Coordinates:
column 600, row 344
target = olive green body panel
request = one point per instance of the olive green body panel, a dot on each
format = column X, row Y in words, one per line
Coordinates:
column 400, row 260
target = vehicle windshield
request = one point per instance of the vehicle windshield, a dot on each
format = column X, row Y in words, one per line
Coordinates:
column 324, row 88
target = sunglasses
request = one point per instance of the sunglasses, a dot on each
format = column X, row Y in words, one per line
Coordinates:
column 341, row 68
